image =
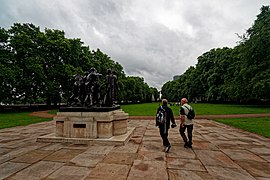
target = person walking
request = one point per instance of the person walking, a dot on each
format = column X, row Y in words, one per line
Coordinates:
column 186, row 116
column 163, row 119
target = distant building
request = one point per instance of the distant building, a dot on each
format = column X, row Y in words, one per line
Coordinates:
column 176, row 77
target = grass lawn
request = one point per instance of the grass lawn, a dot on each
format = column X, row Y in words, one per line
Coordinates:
column 8, row 120
column 54, row 111
column 256, row 125
column 149, row 109
column 144, row 109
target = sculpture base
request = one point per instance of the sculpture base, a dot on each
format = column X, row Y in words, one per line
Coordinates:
column 89, row 109
column 90, row 125
column 114, row 140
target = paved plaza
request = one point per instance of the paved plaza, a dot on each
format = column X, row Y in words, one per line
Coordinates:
column 219, row 152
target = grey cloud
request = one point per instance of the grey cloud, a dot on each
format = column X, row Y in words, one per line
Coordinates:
column 152, row 40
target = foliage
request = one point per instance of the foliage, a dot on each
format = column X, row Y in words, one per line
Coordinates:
column 38, row 67
column 239, row 74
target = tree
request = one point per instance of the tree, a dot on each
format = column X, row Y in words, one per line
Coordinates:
column 24, row 44
column 255, row 68
column 38, row 67
column 7, row 68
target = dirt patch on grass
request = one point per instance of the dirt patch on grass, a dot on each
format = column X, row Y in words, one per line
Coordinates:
column 43, row 114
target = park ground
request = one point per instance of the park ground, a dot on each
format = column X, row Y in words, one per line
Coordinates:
column 219, row 152
column 45, row 114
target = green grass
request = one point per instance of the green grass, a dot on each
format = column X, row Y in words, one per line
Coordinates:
column 54, row 111
column 149, row 109
column 145, row 109
column 205, row 108
column 259, row 126
column 256, row 125
column 8, row 120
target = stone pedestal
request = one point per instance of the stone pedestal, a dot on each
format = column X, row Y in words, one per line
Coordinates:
column 91, row 124
column 88, row 126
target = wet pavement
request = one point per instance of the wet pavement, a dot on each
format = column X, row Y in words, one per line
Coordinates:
column 219, row 152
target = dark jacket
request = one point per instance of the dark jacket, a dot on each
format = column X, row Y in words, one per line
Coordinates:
column 169, row 117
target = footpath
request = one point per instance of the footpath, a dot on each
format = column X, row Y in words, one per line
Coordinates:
column 219, row 152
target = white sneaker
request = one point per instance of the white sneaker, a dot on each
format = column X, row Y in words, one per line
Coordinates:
column 168, row 148
column 164, row 148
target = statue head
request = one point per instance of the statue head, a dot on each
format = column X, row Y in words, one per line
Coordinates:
column 76, row 76
column 109, row 71
column 92, row 69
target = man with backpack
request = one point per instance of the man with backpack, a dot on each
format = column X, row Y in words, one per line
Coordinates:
column 163, row 118
column 187, row 115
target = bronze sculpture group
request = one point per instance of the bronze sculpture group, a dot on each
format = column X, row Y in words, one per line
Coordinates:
column 87, row 90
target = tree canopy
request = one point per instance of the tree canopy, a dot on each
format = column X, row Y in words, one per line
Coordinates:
column 239, row 74
column 38, row 67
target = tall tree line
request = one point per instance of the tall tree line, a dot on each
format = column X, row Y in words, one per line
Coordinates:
column 239, row 74
column 38, row 67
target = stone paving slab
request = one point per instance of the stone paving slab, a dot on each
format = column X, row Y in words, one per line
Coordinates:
column 109, row 171
column 120, row 158
column 228, row 173
column 148, row 170
column 243, row 155
column 188, row 175
column 219, row 152
column 151, row 156
column 87, row 160
column 70, row 173
column 38, row 170
column 63, row 155
column 215, row 158
column 186, row 164
column 84, row 160
column 32, row 157
column 130, row 147
column 99, row 149
column 257, row 169
column 10, row 168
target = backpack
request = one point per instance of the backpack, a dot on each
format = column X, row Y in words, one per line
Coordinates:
column 191, row 113
column 161, row 115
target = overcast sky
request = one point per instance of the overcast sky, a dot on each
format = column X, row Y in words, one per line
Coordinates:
column 154, row 39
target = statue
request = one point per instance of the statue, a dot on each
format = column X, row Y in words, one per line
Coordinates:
column 92, row 88
column 86, row 90
column 108, row 95
column 111, row 88
column 115, row 87
column 75, row 98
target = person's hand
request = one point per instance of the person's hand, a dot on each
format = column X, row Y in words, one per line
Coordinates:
column 173, row 125
column 182, row 125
